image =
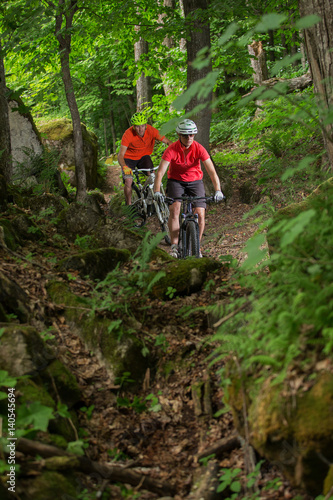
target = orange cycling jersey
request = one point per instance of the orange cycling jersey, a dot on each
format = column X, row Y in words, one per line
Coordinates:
column 137, row 146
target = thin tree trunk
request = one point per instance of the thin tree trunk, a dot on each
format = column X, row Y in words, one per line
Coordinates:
column 5, row 144
column 199, row 37
column 169, row 44
column 319, row 43
column 113, row 129
column 64, row 39
column 143, row 96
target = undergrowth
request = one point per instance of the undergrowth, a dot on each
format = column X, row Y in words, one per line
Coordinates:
column 288, row 315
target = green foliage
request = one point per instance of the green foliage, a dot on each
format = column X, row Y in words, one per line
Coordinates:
column 41, row 166
column 119, row 288
column 289, row 312
column 84, row 242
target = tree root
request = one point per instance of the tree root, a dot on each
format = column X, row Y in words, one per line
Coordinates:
column 57, row 459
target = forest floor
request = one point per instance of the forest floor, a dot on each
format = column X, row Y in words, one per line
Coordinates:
column 159, row 431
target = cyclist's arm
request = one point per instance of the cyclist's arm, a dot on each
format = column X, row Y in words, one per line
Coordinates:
column 209, row 166
column 162, row 168
column 166, row 141
column 121, row 154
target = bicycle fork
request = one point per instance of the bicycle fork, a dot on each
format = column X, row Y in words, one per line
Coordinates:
column 183, row 244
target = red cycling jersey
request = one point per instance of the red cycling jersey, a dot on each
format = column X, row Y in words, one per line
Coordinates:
column 185, row 163
column 137, row 146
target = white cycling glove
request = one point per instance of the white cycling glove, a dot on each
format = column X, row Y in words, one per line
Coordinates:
column 158, row 196
column 218, row 196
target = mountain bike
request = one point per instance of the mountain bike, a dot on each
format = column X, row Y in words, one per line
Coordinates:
column 189, row 241
column 143, row 203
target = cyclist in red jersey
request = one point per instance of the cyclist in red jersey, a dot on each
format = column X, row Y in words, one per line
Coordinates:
column 185, row 175
column 137, row 145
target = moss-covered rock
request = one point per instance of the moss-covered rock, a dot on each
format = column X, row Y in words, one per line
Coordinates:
column 23, row 351
column 79, row 220
column 66, row 384
column 314, row 200
column 58, row 134
column 3, row 193
column 183, row 277
column 117, row 347
column 11, row 239
column 13, row 299
column 95, row 263
column 48, row 486
column 293, row 431
column 31, row 392
column 46, row 205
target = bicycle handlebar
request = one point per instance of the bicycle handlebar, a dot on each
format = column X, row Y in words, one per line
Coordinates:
column 185, row 197
column 136, row 169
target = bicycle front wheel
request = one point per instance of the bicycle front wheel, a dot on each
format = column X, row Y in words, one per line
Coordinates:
column 192, row 239
column 162, row 212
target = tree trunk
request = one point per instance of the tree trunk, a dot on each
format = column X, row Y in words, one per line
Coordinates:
column 199, row 37
column 64, row 39
column 167, row 42
column 113, row 129
column 143, row 96
column 258, row 62
column 319, row 43
column 5, row 145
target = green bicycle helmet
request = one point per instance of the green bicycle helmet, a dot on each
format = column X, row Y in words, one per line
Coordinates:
column 140, row 118
column 186, row 127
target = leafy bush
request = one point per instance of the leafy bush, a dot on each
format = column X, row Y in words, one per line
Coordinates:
column 288, row 314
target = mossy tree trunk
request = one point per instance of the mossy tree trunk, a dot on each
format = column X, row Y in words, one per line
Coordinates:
column 5, row 146
column 64, row 39
column 319, row 43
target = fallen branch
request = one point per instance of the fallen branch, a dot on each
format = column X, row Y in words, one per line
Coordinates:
column 297, row 83
column 226, row 318
column 222, row 446
column 60, row 459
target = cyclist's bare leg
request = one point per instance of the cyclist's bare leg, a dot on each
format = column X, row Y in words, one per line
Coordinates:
column 201, row 219
column 128, row 190
column 173, row 222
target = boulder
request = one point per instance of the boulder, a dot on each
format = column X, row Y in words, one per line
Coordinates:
column 113, row 341
column 95, row 263
column 58, row 134
column 293, row 430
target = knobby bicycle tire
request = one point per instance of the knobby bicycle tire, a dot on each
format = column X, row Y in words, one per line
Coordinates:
column 192, row 239
column 162, row 212
column 138, row 214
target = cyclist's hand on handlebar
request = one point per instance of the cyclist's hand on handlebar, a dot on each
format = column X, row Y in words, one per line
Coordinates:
column 158, row 196
column 127, row 170
column 218, row 196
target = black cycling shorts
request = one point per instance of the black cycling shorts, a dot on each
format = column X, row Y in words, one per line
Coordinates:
column 143, row 163
column 175, row 189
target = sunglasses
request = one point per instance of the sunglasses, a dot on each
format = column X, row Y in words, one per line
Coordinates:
column 187, row 135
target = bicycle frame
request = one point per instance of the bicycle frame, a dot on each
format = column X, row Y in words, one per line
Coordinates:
column 189, row 241
column 146, row 205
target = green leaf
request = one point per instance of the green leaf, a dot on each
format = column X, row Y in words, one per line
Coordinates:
column 303, row 165
column 270, row 22
column 36, row 415
column 296, row 226
column 307, row 22
column 6, row 380
column 76, row 447
column 254, row 253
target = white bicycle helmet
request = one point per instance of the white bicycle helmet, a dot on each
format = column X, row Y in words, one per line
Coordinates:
column 186, row 127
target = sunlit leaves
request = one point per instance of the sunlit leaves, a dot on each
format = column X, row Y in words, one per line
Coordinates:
column 270, row 22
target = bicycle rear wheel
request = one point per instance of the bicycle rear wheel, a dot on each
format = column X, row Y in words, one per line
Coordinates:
column 138, row 213
column 192, row 239
column 162, row 212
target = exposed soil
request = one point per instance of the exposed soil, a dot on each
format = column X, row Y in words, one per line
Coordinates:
column 163, row 441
